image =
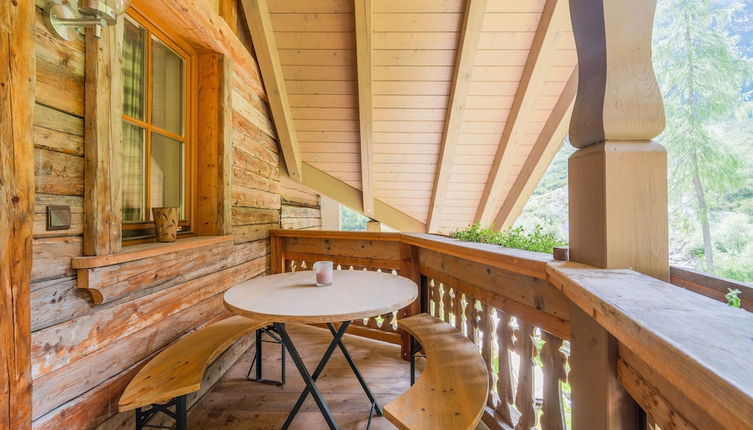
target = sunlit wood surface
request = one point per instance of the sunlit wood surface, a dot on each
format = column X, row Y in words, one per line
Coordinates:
column 235, row 403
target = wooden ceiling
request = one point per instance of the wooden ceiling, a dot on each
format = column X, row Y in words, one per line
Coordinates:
column 423, row 114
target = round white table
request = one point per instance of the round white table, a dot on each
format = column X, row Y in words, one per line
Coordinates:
column 293, row 297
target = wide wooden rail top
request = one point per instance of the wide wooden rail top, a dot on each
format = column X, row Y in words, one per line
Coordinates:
column 684, row 358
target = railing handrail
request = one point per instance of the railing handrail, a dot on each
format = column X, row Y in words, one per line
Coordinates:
column 688, row 338
column 712, row 286
column 700, row 346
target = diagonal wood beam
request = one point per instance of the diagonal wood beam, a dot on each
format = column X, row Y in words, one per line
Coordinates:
column 365, row 101
column 551, row 25
column 547, row 145
column 465, row 60
column 334, row 188
column 262, row 35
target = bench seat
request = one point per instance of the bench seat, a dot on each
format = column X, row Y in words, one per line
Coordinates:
column 179, row 369
column 452, row 390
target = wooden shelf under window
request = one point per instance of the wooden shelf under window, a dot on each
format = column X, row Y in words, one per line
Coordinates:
column 101, row 274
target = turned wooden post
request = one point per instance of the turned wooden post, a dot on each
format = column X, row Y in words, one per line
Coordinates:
column 17, row 77
column 617, row 187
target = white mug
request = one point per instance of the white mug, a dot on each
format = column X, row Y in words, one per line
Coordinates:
column 324, row 273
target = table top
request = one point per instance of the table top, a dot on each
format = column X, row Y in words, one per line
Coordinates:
column 294, row 297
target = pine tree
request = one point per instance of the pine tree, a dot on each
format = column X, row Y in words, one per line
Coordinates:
column 702, row 74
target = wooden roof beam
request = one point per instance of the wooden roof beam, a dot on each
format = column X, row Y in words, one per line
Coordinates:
column 262, row 34
column 465, row 60
column 334, row 188
column 365, row 101
column 551, row 25
column 549, row 142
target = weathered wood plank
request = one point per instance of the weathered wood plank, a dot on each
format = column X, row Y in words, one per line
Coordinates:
column 352, row 248
column 250, row 216
column 58, row 131
column 215, row 125
column 107, row 283
column 102, row 140
column 65, row 384
column 17, row 71
column 52, row 257
column 58, row 173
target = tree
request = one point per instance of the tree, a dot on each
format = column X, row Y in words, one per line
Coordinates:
column 702, row 73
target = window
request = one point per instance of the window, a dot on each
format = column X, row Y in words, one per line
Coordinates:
column 157, row 111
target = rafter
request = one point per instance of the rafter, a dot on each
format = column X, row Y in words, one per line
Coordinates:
column 465, row 60
column 551, row 25
column 547, row 145
column 365, row 103
column 336, row 189
column 260, row 26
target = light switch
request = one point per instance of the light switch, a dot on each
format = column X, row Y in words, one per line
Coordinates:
column 58, row 217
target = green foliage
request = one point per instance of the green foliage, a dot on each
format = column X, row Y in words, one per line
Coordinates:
column 733, row 297
column 352, row 220
column 518, row 238
column 702, row 74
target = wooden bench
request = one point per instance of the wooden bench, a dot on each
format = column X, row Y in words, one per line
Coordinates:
column 179, row 369
column 452, row 390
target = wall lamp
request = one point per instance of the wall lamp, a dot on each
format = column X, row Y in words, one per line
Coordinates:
column 66, row 18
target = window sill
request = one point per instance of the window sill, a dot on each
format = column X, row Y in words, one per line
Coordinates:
column 108, row 277
column 147, row 250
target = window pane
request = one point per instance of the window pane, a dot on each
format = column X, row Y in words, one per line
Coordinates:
column 166, row 188
column 133, row 174
column 167, row 88
column 134, row 70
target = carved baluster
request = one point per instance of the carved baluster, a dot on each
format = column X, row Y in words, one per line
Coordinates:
column 459, row 304
column 445, row 303
column 433, row 299
column 504, row 381
column 524, row 393
column 554, row 371
column 487, row 326
column 472, row 319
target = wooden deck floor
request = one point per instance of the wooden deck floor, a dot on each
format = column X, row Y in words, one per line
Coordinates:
column 235, row 403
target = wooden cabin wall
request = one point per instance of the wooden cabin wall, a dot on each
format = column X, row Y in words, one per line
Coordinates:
column 83, row 354
column 301, row 208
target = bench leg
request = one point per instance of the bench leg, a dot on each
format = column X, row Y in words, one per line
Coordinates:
column 257, row 361
column 415, row 347
column 180, row 415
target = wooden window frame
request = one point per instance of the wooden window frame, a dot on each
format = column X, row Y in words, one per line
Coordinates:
column 191, row 58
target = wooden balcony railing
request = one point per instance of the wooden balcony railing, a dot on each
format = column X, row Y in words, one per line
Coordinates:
column 676, row 349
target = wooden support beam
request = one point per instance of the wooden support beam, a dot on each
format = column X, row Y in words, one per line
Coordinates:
column 262, row 34
column 466, row 59
column 551, row 25
column 102, row 141
column 214, row 206
column 17, row 77
column 365, row 101
column 617, row 188
column 229, row 12
column 602, row 403
column 351, row 197
column 547, row 145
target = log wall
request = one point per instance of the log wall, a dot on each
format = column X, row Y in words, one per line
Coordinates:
column 301, row 209
column 84, row 354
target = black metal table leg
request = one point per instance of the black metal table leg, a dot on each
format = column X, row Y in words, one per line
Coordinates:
column 372, row 399
column 307, row 378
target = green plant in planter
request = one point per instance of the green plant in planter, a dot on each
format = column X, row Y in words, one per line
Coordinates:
column 517, row 238
column 733, row 297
